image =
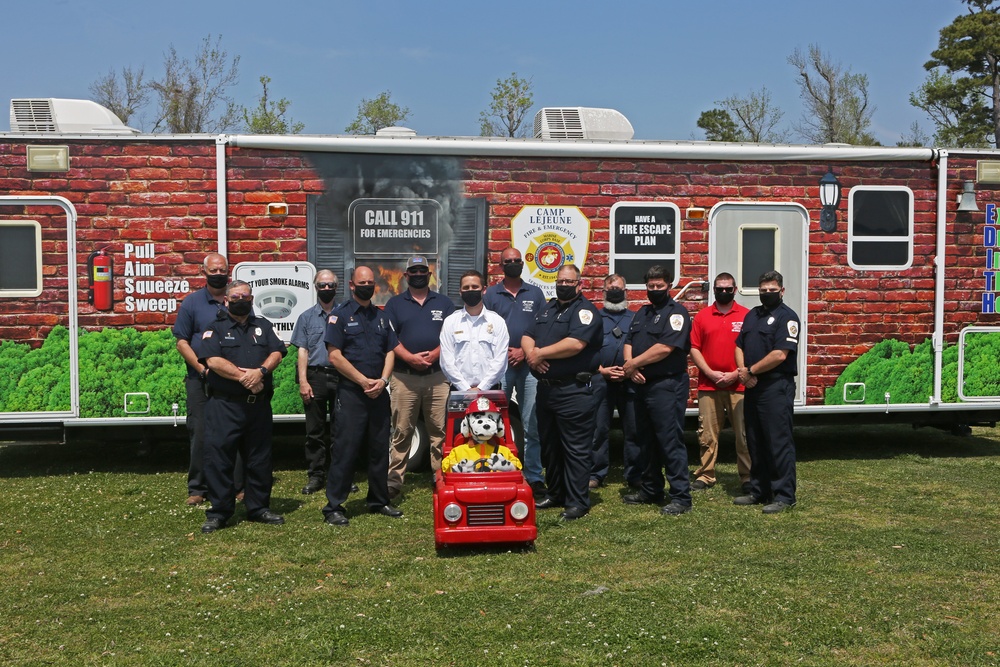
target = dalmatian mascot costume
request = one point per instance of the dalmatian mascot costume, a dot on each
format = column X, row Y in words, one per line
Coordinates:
column 480, row 447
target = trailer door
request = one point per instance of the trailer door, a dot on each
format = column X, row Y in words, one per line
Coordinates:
column 747, row 239
column 39, row 380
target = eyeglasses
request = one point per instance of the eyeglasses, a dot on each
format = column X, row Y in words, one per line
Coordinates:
column 567, row 282
column 326, row 285
column 725, row 290
column 511, row 261
column 240, row 297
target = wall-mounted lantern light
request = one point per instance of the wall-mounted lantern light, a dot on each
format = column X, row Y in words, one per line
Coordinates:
column 277, row 210
column 829, row 197
column 967, row 198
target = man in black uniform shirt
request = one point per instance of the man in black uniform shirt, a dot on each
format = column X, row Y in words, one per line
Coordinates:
column 562, row 348
column 242, row 351
column 766, row 354
column 656, row 353
column 360, row 343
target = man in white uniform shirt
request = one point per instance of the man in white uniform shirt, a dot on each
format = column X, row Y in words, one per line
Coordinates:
column 474, row 340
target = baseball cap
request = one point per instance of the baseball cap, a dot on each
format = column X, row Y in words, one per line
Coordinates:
column 417, row 261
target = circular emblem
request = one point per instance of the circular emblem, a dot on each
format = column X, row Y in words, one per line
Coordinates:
column 550, row 257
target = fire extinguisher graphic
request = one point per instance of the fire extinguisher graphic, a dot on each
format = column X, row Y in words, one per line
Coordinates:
column 100, row 274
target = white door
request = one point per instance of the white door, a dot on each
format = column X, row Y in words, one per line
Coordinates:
column 747, row 239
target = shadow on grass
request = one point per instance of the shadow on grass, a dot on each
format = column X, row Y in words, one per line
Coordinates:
column 812, row 443
column 474, row 550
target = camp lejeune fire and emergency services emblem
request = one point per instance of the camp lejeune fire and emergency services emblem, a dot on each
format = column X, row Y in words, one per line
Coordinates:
column 550, row 238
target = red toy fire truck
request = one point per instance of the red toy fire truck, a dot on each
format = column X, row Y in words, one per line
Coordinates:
column 480, row 495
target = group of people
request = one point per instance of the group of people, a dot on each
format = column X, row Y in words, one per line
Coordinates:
column 375, row 372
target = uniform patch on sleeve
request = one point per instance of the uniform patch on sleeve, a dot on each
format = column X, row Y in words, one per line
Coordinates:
column 676, row 321
column 586, row 317
column 793, row 329
column 207, row 334
column 332, row 320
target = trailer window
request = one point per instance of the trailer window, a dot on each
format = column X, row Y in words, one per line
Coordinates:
column 20, row 258
column 758, row 253
column 880, row 228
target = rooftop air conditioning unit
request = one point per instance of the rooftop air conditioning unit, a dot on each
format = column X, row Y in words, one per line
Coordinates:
column 581, row 123
column 53, row 115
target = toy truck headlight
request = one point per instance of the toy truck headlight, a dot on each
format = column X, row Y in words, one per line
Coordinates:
column 452, row 512
column 519, row 511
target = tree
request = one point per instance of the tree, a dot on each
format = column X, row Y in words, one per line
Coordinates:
column 916, row 137
column 510, row 103
column 193, row 96
column 719, row 126
column 837, row 108
column 268, row 117
column 751, row 118
column 962, row 91
column 377, row 113
column 122, row 97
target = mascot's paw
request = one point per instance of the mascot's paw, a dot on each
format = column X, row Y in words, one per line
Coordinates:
column 465, row 465
column 498, row 463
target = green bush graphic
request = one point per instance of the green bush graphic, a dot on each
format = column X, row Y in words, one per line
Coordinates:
column 112, row 362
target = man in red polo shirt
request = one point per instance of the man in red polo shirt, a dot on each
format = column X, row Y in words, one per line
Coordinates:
column 720, row 394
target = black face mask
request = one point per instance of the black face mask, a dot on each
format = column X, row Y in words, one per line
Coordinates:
column 614, row 295
column 724, row 297
column 240, row 308
column 513, row 270
column 565, row 292
column 364, row 292
column 472, row 297
column 770, row 300
column 326, row 295
column 217, row 280
column 657, row 297
column 418, row 280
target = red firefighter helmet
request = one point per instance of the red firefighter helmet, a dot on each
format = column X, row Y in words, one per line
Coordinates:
column 481, row 404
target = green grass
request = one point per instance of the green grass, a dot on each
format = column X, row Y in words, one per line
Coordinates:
column 890, row 558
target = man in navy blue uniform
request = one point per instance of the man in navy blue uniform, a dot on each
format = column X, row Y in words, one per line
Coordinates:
column 562, row 348
column 242, row 351
column 418, row 383
column 766, row 358
column 656, row 354
column 517, row 302
column 317, row 378
column 611, row 389
column 198, row 311
column 360, row 343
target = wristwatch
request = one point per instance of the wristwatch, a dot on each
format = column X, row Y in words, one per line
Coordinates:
column 263, row 370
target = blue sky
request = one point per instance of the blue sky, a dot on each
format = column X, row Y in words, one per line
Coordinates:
column 661, row 63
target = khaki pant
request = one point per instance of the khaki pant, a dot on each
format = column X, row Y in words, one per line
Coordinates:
column 713, row 409
column 410, row 395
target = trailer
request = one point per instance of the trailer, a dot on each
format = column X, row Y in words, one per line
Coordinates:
column 889, row 254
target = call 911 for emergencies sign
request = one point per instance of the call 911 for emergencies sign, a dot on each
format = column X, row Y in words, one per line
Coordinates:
column 388, row 227
column 643, row 234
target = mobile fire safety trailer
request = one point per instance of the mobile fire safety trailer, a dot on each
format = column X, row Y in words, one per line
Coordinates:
column 889, row 255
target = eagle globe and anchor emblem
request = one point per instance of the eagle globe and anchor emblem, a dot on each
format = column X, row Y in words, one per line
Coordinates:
column 548, row 253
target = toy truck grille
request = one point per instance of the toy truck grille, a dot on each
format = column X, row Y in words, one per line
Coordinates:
column 486, row 515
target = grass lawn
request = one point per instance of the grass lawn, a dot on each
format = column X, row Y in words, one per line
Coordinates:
column 890, row 558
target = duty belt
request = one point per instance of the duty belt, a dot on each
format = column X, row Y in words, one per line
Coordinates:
column 237, row 398
column 582, row 378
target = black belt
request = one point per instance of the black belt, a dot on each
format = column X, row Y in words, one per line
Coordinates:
column 582, row 378
column 325, row 369
column 237, row 398
column 412, row 371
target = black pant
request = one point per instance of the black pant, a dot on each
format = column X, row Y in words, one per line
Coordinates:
column 659, row 411
column 195, row 423
column 565, row 415
column 231, row 427
column 607, row 397
column 357, row 418
column 317, row 448
column 767, row 414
